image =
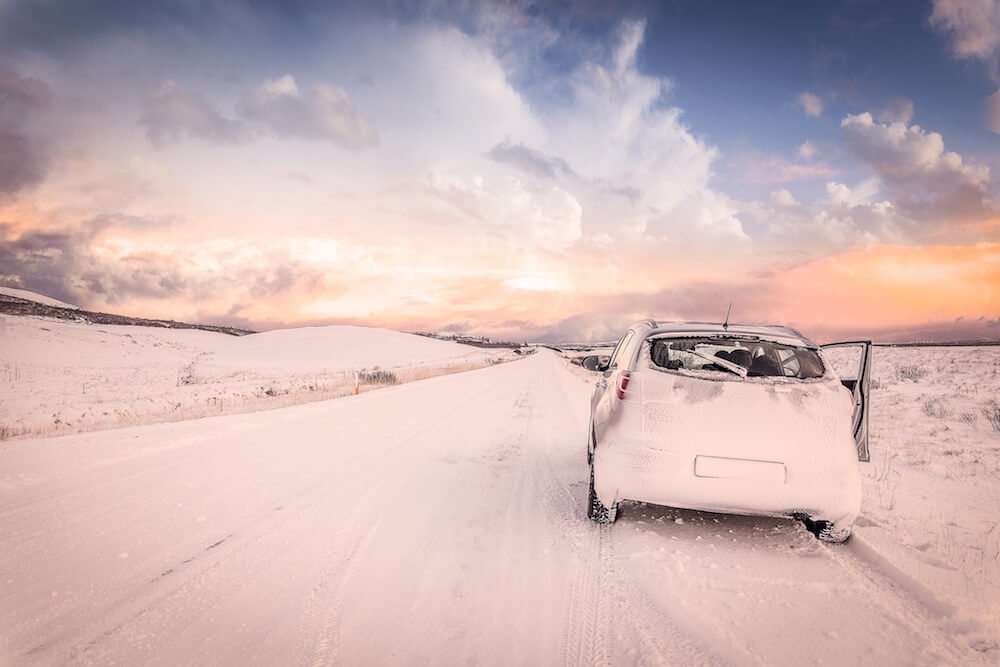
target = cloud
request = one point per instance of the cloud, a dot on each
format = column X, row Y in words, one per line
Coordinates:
column 48, row 262
column 642, row 172
column 783, row 198
column 900, row 284
column 607, row 158
column 20, row 96
column 24, row 154
column 22, row 163
column 526, row 212
column 972, row 25
column 101, row 262
column 170, row 113
column 923, row 179
column 810, row 103
column 530, row 160
column 807, row 150
column 754, row 166
column 840, row 193
column 898, row 110
column 845, row 218
column 590, row 327
column 322, row 113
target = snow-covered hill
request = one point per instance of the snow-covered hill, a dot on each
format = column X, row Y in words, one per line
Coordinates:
column 37, row 298
column 58, row 376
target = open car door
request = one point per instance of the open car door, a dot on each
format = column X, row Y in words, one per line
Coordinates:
column 854, row 369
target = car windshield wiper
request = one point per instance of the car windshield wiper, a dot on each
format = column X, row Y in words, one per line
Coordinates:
column 722, row 363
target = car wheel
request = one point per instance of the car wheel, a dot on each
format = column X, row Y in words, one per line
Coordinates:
column 834, row 534
column 827, row 531
column 597, row 511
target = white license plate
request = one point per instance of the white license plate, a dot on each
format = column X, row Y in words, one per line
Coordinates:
column 723, row 468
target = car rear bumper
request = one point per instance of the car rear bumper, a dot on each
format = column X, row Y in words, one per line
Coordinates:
column 725, row 484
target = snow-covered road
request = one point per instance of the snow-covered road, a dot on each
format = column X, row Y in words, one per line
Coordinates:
column 439, row 522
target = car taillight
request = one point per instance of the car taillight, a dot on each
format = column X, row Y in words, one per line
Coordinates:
column 623, row 385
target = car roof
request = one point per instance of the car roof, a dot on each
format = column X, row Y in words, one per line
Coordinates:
column 771, row 332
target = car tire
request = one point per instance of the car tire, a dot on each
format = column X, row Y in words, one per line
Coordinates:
column 833, row 533
column 828, row 531
column 597, row 511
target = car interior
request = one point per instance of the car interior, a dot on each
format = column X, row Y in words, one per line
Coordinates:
column 760, row 358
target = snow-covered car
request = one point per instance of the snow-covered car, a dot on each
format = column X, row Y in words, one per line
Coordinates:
column 731, row 419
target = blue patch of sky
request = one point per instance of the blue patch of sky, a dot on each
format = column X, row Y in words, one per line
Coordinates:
column 738, row 68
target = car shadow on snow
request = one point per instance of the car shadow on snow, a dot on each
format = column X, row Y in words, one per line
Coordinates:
column 715, row 531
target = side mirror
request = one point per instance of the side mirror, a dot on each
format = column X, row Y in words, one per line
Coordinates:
column 593, row 363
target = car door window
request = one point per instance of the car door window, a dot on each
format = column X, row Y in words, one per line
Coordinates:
column 622, row 344
column 852, row 362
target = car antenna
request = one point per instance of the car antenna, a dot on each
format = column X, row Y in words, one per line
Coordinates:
column 725, row 324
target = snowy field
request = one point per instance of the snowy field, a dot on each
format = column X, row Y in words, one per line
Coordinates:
column 932, row 489
column 60, row 376
column 442, row 522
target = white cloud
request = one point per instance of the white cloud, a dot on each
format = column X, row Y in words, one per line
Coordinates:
column 973, row 25
column 841, row 221
column 323, row 113
column 920, row 176
column 526, row 213
column 811, row 104
column 624, row 163
column 617, row 134
column 898, row 110
column 917, row 186
column 807, row 150
column 283, row 85
column 783, row 198
column 839, row 193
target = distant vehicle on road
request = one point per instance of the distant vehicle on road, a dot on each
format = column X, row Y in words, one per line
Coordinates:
column 732, row 419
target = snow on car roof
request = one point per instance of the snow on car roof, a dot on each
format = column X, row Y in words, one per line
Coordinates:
column 775, row 333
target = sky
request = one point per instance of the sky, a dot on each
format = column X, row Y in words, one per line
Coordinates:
column 521, row 170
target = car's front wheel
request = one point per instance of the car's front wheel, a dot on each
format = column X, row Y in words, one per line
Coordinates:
column 597, row 511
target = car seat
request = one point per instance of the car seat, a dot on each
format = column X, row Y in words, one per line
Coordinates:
column 764, row 365
column 741, row 357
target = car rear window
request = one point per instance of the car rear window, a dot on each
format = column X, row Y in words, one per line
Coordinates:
column 759, row 358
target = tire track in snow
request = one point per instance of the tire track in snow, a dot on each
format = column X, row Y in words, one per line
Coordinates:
column 609, row 598
column 587, row 616
column 619, row 605
column 320, row 643
column 320, row 638
column 913, row 607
